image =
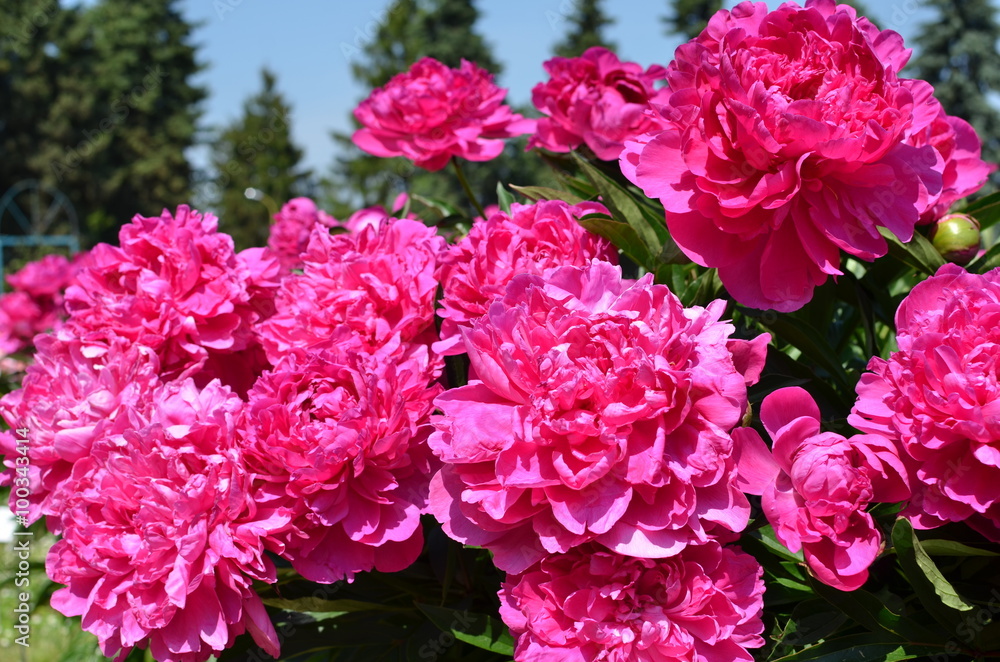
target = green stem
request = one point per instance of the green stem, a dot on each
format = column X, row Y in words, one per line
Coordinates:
column 465, row 186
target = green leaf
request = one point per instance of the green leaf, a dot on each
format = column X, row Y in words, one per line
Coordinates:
column 478, row 630
column 320, row 605
column 504, row 198
column 546, row 193
column 918, row 253
column 989, row 260
column 770, row 541
column 443, row 207
column 935, row 593
column 813, row 345
column 985, row 210
column 620, row 234
column 861, row 648
column 647, row 224
column 871, row 612
column 952, row 548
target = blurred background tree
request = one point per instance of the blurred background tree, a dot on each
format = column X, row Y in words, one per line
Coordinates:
column 112, row 107
column 587, row 28
column 689, row 17
column 256, row 151
column 958, row 56
column 98, row 101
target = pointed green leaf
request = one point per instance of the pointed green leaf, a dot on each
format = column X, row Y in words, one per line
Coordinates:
column 620, row 234
column 918, row 253
column 625, row 208
column 441, row 206
column 989, row 261
column 952, row 548
column 319, row 605
column 871, row 612
column 861, row 648
column 478, row 630
column 504, row 198
column 985, row 210
column 545, row 193
column 936, row 593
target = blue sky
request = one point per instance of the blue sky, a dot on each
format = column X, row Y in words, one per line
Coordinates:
column 309, row 45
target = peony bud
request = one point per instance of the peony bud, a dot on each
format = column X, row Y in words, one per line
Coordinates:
column 957, row 238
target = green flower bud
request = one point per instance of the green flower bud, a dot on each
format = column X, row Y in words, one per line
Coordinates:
column 957, row 238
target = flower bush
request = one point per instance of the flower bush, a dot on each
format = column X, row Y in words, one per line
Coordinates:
column 626, row 419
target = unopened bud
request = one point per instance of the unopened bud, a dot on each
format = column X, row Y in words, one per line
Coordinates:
column 957, row 238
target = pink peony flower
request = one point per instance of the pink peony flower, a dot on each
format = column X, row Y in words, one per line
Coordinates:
column 175, row 285
column 70, row 398
column 785, row 142
column 817, row 485
column 432, row 113
column 358, row 291
column 36, row 303
column 938, row 399
column 161, row 536
column 964, row 171
column 44, row 278
column 340, row 445
column 21, row 319
column 292, row 228
column 532, row 238
column 590, row 605
column 596, row 99
column 601, row 412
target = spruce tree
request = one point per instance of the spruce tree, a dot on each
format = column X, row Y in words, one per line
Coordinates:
column 587, row 25
column 958, row 56
column 256, row 151
column 689, row 17
column 110, row 107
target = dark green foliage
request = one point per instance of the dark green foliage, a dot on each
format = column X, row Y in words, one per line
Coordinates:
column 256, row 151
column 958, row 56
column 587, row 24
column 689, row 17
column 98, row 102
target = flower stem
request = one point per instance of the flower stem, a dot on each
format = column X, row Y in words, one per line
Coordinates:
column 465, row 186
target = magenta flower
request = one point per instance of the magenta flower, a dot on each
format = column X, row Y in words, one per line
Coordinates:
column 964, row 171
column 44, row 278
column 36, row 303
column 785, row 142
column 292, row 227
column 70, row 398
column 530, row 239
column 431, row 113
column 938, row 399
column 600, row 411
column 598, row 100
column 162, row 538
column 591, row 605
column 175, row 285
column 358, row 291
column 340, row 445
column 817, row 485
